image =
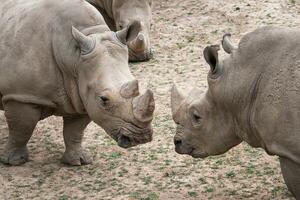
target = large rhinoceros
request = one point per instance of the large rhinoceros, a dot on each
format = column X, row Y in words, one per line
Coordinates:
column 253, row 96
column 120, row 13
column 60, row 58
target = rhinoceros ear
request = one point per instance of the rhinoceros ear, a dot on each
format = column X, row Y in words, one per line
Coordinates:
column 150, row 3
column 85, row 43
column 128, row 34
column 177, row 98
column 211, row 56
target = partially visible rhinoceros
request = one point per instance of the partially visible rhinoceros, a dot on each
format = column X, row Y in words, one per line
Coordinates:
column 120, row 13
column 253, row 96
column 59, row 57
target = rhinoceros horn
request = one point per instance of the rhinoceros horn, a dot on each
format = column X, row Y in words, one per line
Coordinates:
column 86, row 43
column 139, row 43
column 130, row 33
column 130, row 89
column 227, row 44
column 143, row 106
column 176, row 99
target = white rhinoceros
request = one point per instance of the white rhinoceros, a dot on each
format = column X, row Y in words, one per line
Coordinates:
column 120, row 13
column 60, row 58
column 253, row 96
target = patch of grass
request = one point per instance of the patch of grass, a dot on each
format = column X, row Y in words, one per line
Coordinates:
column 232, row 192
column 202, row 181
column 151, row 196
column 250, row 169
column 135, row 195
column 275, row 190
column 139, row 195
column 122, row 172
column 268, row 171
column 209, row 189
column 99, row 185
column 167, row 162
column 146, row 180
column 230, row 174
column 153, row 157
column 114, row 155
column 192, row 194
column 112, row 165
column 64, row 197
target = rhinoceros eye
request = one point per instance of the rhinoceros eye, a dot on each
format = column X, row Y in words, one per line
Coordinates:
column 196, row 118
column 104, row 100
column 120, row 26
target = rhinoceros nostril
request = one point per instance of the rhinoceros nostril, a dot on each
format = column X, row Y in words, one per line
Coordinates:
column 124, row 141
column 177, row 141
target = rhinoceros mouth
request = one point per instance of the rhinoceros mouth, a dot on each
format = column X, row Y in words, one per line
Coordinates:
column 195, row 154
column 131, row 135
column 191, row 151
column 140, row 56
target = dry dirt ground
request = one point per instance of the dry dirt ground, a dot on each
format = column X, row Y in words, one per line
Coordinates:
column 180, row 31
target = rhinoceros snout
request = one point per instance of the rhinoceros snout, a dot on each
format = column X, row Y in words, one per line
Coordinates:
column 181, row 147
column 140, row 56
column 177, row 141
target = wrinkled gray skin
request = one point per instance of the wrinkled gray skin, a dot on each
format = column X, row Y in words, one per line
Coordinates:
column 253, row 96
column 69, row 64
column 120, row 13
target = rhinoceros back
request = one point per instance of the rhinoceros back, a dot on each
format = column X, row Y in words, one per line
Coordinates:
column 36, row 48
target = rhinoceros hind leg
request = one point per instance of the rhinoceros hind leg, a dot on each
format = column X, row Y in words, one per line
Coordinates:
column 73, row 134
column 21, row 119
column 291, row 175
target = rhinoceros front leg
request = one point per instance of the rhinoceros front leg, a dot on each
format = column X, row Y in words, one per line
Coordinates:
column 21, row 119
column 291, row 175
column 73, row 134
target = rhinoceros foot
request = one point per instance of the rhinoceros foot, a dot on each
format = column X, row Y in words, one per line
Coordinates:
column 76, row 157
column 14, row 156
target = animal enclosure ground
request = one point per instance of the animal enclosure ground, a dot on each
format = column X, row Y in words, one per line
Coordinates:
column 180, row 31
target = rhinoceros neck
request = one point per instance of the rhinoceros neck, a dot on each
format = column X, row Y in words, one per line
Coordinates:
column 239, row 93
column 246, row 112
column 64, row 50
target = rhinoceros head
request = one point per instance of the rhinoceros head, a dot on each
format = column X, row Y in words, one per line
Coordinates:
column 205, row 124
column 127, row 11
column 108, row 90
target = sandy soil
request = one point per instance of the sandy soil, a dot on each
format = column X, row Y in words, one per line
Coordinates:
column 181, row 29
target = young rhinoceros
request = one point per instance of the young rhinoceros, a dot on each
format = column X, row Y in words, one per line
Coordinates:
column 253, row 96
column 120, row 13
column 60, row 58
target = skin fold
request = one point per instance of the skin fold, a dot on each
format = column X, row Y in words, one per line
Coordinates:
column 69, row 64
column 252, row 96
column 121, row 13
